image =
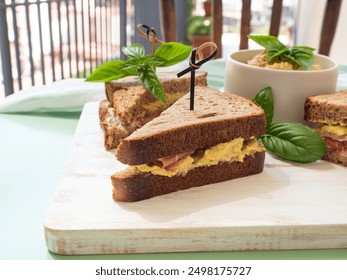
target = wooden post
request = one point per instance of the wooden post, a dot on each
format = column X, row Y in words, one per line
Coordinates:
column 245, row 23
column 276, row 17
column 217, row 27
column 5, row 51
column 168, row 20
column 331, row 16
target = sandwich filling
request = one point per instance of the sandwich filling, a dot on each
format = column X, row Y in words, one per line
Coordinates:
column 338, row 132
column 234, row 150
column 141, row 108
column 336, row 138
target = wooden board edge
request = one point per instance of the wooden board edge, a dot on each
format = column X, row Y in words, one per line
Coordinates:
column 195, row 239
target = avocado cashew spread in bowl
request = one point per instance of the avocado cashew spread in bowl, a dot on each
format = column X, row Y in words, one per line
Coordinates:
column 290, row 87
column 280, row 57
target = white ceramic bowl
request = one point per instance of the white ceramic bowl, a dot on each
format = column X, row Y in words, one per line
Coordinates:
column 289, row 88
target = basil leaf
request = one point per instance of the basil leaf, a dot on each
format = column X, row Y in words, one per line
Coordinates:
column 303, row 56
column 265, row 99
column 272, row 45
column 110, row 71
column 154, row 60
column 294, row 142
column 150, row 81
column 291, row 60
column 267, row 41
column 299, row 56
column 271, row 54
column 148, row 59
column 138, row 63
column 131, row 63
column 134, row 51
column 173, row 53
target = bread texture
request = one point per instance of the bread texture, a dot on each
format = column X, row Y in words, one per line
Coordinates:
column 119, row 91
column 217, row 117
column 129, row 186
column 129, row 105
column 335, row 156
column 328, row 108
column 104, row 106
column 114, row 130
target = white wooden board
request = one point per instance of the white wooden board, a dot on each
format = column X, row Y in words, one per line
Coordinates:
column 288, row 206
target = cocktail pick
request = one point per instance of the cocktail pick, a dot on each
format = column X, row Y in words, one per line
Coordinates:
column 150, row 34
column 193, row 65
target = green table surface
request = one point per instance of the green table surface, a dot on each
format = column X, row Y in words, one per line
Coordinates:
column 33, row 148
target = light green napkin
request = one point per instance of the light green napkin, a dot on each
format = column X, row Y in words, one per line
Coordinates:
column 67, row 95
column 70, row 95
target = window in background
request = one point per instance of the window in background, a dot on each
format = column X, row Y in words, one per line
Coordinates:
column 260, row 22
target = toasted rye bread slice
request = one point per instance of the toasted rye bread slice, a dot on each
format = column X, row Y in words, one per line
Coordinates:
column 335, row 156
column 114, row 130
column 135, row 106
column 327, row 108
column 131, row 100
column 217, row 117
column 131, row 186
column 104, row 106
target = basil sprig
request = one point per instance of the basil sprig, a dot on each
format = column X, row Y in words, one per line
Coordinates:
column 150, row 81
column 265, row 99
column 288, row 140
column 142, row 65
column 299, row 56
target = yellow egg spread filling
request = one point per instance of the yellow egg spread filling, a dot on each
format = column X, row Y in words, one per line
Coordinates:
column 234, row 150
column 260, row 60
column 158, row 105
column 337, row 130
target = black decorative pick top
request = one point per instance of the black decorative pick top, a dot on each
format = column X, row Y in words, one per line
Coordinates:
column 193, row 65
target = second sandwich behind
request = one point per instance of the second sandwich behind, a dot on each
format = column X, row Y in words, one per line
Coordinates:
column 130, row 105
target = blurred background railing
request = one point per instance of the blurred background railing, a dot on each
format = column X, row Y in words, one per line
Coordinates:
column 51, row 40
column 42, row 41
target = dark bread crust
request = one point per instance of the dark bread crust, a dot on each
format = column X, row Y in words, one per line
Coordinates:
column 131, row 186
column 334, row 156
column 327, row 108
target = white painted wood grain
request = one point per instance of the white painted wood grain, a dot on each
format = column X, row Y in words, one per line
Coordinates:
column 288, row 206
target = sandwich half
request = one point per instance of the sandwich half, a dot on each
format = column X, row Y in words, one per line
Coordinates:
column 330, row 113
column 185, row 148
column 129, row 105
